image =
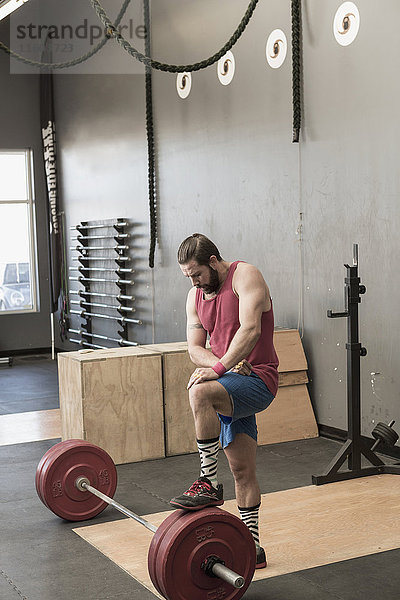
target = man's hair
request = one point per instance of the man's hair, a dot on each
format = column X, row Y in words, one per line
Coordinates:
column 199, row 248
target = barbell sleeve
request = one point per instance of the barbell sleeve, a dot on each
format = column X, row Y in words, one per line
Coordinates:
column 219, row 570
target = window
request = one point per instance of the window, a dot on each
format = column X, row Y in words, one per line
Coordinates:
column 18, row 282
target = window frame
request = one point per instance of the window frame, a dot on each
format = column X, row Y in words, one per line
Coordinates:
column 31, row 212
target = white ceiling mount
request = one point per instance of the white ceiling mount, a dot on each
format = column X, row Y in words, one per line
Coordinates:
column 346, row 23
column 8, row 6
column 184, row 84
column 276, row 48
column 226, row 68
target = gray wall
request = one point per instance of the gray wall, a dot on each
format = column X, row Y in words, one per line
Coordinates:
column 20, row 128
column 227, row 168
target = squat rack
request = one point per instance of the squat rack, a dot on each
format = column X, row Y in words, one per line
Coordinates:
column 355, row 446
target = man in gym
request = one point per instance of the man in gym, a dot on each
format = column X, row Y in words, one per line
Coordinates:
column 234, row 380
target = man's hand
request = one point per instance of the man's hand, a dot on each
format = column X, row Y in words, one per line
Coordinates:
column 243, row 368
column 202, row 374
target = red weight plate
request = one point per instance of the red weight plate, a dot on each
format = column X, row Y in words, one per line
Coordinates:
column 46, row 457
column 193, row 538
column 52, row 452
column 155, row 544
column 60, row 470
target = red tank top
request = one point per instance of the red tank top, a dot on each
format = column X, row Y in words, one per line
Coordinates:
column 220, row 317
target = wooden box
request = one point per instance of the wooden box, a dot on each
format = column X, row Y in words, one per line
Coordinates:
column 290, row 416
column 114, row 399
column 180, row 435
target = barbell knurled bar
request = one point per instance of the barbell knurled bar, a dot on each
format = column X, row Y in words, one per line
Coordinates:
column 99, row 226
column 84, row 249
column 103, row 337
column 101, row 305
column 189, row 551
column 94, row 258
column 102, row 280
column 84, row 313
column 100, row 237
column 102, row 295
column 109, row 270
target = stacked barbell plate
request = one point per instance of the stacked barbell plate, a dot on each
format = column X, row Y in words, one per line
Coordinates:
column 385, row 433
column 61, row 466
column 183, row 542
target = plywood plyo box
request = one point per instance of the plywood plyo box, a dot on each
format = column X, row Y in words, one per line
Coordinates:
column 114, row 399
column 180, row 436
column 290, row 416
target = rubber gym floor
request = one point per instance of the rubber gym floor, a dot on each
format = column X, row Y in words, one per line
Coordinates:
column 43, row 559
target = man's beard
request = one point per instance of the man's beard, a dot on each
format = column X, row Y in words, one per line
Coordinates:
column 213, row 286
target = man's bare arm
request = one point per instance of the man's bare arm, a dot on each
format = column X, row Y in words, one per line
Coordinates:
column 197, row 336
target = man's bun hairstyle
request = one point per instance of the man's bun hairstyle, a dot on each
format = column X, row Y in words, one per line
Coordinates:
column 199, row 248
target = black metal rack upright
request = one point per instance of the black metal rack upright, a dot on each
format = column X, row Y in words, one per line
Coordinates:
column 355, row 446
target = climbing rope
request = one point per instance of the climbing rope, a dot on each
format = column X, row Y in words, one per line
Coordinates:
column 70, row 63
column 146, row 60
column 150, row 139
column 296, row 68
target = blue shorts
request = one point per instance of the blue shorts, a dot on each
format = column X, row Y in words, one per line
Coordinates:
column 249, row 395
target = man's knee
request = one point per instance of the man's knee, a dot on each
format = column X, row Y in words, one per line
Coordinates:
column 199, row 398
column 242, row 471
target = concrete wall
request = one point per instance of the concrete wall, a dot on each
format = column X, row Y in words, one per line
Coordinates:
column 227, row 168
column 19, row 129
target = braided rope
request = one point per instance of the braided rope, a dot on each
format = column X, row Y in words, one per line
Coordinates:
column 70, row 63
column 146, row 60
column 296, row 68
column 150, row 140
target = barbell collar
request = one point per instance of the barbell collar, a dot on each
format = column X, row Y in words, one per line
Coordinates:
column 83, row 484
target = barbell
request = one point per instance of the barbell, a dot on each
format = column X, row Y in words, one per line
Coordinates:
column 200, row 555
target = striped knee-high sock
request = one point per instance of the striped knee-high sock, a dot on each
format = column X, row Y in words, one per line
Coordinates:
column 249, row 516
column 208, row 450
